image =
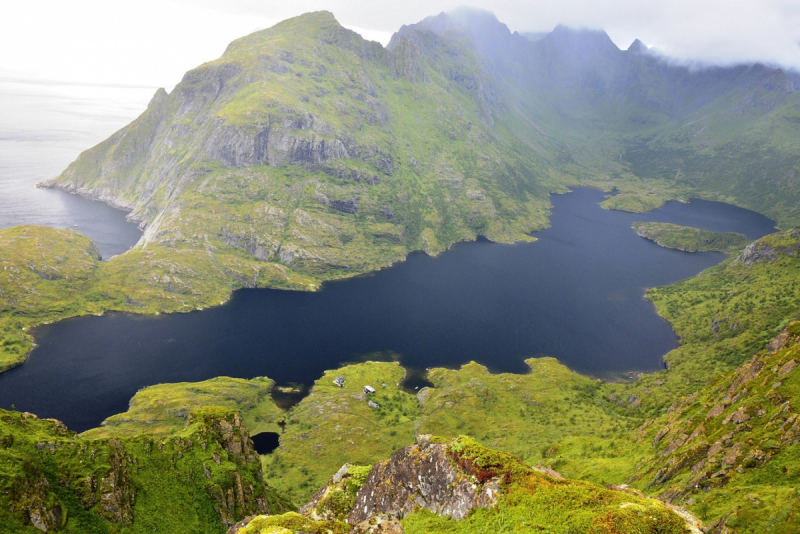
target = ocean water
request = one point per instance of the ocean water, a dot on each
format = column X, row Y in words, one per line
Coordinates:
column 43, row 128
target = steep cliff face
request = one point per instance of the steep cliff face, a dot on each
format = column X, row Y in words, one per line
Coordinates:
column 53, row 480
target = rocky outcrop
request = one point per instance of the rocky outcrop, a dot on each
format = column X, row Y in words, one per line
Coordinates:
column 758, row 252
column 736, row 424
column 116, row 491
column 423, row 476
column 762, row 251
column 234, row 496
column 32, row 499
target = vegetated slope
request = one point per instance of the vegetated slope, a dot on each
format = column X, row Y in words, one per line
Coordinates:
column 731, row 450
column 44, row 275
column 731, row 311
column 632, row 119
column 550, row 416
column 201, row 478
column 163, row 409
column 183, row 454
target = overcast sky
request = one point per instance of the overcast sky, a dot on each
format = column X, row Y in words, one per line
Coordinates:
column 151, row 43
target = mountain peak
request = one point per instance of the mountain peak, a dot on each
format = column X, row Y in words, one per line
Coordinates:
column 638, row 47
column 296, row 29
column 579, row 41
column 474, row 21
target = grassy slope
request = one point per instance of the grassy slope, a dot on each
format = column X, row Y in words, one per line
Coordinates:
column 163, row 409
column 45, row 275
column 737, row 149
column 50, row 274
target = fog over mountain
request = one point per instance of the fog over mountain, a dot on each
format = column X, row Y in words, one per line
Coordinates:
column 148, row 42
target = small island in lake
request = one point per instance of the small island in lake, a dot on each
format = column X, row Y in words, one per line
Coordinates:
column 690, row 239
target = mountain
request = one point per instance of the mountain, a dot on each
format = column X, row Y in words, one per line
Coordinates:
column 306, row 146
column 306, row 153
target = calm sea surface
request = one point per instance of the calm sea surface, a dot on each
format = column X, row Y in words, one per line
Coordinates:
column 43, row 127
column 575, row 294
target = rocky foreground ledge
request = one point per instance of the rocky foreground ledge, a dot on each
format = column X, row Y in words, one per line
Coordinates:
column 427, row 486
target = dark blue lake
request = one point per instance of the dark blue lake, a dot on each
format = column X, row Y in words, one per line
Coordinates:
column 575, row 294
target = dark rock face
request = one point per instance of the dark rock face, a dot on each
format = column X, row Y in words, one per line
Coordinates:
column 117, row 493
column 347, row 206
column 256, row 246
column 238, row 497
column 421, row 476
column 112, row 494
column 762, row 252
column 757, row 252
column 32, row 499
column 277, row 143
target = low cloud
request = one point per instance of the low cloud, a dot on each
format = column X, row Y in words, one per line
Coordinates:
column 153, row 42
column 702, row 31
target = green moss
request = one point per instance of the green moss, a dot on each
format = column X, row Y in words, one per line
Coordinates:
column 292, row 522
column 165, row 408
